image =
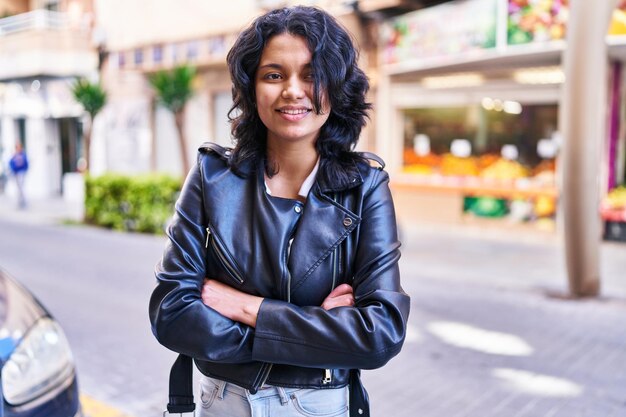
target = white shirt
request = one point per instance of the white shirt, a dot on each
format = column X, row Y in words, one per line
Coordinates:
column 306, row 186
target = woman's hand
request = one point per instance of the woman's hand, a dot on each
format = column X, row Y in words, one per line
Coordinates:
column 341, row 296
column 230, row 302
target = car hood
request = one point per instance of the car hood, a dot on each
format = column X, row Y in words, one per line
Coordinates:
column 19, row 310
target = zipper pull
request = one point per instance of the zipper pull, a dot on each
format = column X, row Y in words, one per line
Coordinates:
column 208, row 234
column 328, row 376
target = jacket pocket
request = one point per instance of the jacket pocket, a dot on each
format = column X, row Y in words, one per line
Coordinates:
column 226, row 260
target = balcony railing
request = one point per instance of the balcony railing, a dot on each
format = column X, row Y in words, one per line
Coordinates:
column 43, row 42
column 34, row 20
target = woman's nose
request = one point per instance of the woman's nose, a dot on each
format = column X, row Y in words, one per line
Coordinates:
column 293, row 89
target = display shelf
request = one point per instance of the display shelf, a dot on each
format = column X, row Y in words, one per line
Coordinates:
column 474, row 186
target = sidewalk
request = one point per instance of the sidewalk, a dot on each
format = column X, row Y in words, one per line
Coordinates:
column 39, row 211
column 496, row 257
column 493, row 334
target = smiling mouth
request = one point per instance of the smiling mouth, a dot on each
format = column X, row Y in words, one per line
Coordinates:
column 293, row 112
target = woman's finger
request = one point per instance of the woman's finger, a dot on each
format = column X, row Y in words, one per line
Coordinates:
column 346, row 300
column 341, row 290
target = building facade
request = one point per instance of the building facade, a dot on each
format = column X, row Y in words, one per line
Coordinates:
column 469, row 110
column 134, row 133
column 44, row 46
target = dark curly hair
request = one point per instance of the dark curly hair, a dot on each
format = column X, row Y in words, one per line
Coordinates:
column 335, row 70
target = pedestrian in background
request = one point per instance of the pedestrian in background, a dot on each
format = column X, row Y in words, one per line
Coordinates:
column 19, row 166
column 3, row 176
column 281, row 274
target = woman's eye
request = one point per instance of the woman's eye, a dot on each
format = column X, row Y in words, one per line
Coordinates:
column 273, row 76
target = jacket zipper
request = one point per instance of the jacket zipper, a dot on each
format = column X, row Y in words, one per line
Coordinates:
column 232, row 271
column 268, row 366
column 328, row 375
column 334, row 260
column 265, row 374
column 286, row 259
column 334, row 269
column 287, row 253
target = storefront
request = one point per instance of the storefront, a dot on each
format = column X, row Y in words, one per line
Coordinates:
column 613, row 206
column 41, row 114
column 469, row 111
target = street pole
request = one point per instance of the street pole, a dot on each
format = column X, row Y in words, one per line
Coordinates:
column 583, row 120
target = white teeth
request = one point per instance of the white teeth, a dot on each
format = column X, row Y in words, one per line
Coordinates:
column 298, row 111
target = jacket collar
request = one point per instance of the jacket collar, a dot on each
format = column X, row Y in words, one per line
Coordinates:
column 348, row 175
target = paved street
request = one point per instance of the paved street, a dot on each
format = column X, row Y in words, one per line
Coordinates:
column 484, row 340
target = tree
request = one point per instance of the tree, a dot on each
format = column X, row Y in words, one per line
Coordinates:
column 93, row 98
column 173, row 89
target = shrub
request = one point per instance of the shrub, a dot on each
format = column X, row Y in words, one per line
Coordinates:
column 136, row 204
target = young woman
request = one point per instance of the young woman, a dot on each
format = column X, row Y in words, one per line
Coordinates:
column 281, row 274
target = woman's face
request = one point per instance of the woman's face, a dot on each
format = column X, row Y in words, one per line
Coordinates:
column 284, row 91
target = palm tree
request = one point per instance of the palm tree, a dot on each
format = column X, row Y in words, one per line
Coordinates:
column 93, row 98
column 173, row 89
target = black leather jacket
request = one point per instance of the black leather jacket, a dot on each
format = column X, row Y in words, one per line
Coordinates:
column 228, row 228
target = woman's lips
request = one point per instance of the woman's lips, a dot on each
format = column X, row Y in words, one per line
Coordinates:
column 293, row 114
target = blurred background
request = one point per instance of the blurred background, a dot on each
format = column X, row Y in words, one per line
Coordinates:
column 477, row 123
column 467, row 96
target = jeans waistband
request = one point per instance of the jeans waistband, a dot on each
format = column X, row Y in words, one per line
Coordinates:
column 263, row 392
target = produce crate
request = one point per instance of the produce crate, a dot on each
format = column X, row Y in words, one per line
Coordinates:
column 615, row 231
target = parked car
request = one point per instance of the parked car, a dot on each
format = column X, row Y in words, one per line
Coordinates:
column 38, row 376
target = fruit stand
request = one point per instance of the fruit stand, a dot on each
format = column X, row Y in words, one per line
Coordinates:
column 489, row 185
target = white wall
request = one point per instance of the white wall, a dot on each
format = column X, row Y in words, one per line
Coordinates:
column 197, row 132
column 167, row 150
column 37, row 182
column 221, row 104
column 127, row 24
column 197, row 123
column 7, row 136
column 121, row 137
column 53, row 156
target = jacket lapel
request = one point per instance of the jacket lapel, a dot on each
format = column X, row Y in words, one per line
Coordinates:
column 323, row 226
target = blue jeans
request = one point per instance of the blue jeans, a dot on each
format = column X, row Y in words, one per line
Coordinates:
column 19, row 181
column 222, row 399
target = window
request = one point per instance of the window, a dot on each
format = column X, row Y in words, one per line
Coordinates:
column 52, row 5
column 138, row 56
column 192, row 50
column 489, row 130
column 217, row 46
column 157, row 54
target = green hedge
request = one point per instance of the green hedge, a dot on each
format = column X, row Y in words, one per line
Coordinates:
column 137, row 204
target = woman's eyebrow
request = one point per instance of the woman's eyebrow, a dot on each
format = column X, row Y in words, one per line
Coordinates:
column 272, row 65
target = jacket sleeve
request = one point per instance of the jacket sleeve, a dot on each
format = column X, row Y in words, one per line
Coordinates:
column 365, row 336
column 180, row 320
